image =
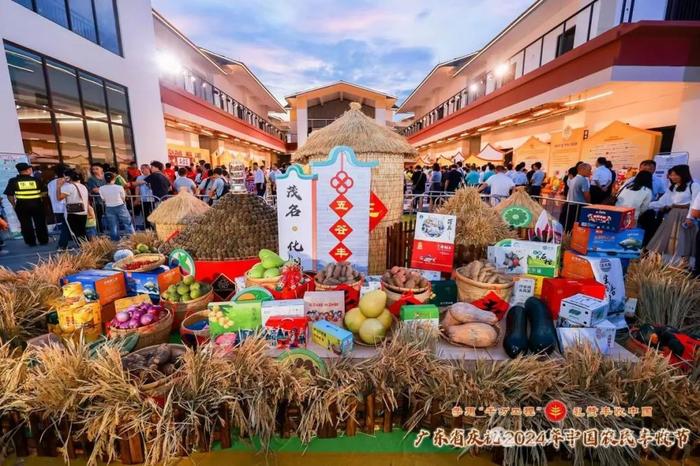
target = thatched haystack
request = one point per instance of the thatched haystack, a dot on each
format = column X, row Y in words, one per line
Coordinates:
column 370, row 141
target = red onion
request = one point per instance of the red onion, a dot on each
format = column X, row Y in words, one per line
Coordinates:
column 153, row 311
column 133, row 323
column 122, row 317
column 146, row 319
column 123, row 325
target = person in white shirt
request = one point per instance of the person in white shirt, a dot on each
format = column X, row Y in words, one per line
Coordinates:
column 274, row 173
column 259, row 180
column 116, row 213
column 500, row 185
column 510, row 173
column 676, row 235
column 71, row 190
column 637, row 194
column 601, row 181
column 59, row 207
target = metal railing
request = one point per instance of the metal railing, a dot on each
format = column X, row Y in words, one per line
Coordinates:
column 525, row 60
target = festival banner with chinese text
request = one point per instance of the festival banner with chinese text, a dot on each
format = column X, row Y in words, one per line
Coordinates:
column 343, row 208
column 434, row 242
column 565, row 150
column 296, row 219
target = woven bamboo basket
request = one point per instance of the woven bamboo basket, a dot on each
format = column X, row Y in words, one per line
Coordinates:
column 470, row 290
column 149, row 335
column 165, row 231
column 395, row 293
column 268, row 283
column 156, row 260
column 161, row 386
column 194, row 338
column 370, row 142
column 181, row 310
column 349, row 302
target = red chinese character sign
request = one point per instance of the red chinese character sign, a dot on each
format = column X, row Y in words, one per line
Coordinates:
column 434, row 242
column 377, row 211
column 343, row 208
column 296, row 216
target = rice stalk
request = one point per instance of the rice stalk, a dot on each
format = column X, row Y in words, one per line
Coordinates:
column 13, row 374
column 181, row 209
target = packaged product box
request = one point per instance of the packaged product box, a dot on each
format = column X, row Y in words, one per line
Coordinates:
column 103, row 286
column 370, row 283
column 607, row 217
column 602, row 336
column 285, row 332
column 78, row 318
column 584, row 310
column 444, row 293
column 242, row 318
column 623, row 243
column 605, row 270
column 325, row 305
column 282, row 308
column 554, row 290
column 427, row 315
column 526, row 257
column 154, row 282
column 331, row 337
column 537, row 279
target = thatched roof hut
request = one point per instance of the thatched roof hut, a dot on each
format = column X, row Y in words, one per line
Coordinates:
column 370, row 141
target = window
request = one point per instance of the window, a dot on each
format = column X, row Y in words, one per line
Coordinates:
column 75, row 118
column 95, row 20
column 565, row 41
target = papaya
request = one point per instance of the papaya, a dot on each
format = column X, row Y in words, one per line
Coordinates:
column 515, row 341
column 543, row 334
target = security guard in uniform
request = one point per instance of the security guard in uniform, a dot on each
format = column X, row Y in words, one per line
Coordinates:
column 24, row 193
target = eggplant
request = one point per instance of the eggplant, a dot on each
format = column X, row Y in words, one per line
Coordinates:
column 543, row 334
column 515, row 340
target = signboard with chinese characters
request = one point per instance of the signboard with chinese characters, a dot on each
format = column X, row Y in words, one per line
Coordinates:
column 183, row 156
column 565, row 150
column 377, row 211
column 665, row 161
column 434, row 242
column 296, row 219
column 531, row 151
column 343, row 208
column 624, row 145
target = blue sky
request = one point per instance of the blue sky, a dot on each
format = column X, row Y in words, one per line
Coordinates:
column 388, row 45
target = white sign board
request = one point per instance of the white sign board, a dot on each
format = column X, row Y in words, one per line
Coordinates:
column 7, row 171
column 342, row 210
column 665, row 161
column 296, row 205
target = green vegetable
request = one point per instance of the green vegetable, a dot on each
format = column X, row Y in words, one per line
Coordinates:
column 543, row 335
column 272, row 273
column 515, row 340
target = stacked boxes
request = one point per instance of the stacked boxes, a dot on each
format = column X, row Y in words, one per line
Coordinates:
column 583, row 318
column 525, row 257
column 554, row 290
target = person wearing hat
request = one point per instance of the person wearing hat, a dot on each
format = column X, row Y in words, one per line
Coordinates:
column 24, row 192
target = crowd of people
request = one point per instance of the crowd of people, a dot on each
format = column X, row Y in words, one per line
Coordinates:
column 112, row 201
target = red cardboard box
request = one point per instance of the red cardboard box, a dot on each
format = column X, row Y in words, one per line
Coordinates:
column 554, row 290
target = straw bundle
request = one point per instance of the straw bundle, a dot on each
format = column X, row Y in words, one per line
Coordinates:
column 370, row 141
column 665, row 295
column 520, row 198
column 13, row 372
column 183, row 208
column 149, row 238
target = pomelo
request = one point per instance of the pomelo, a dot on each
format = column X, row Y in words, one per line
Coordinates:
column 373, row 303
column 372, row 331
column 353, row 319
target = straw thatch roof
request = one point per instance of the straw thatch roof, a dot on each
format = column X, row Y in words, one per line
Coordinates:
column 356, row 130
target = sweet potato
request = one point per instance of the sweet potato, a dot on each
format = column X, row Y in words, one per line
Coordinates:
column 474, row 334
column 449, row 320
column 466, row 313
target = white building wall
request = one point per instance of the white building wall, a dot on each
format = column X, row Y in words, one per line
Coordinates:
column 136, row 70
column 302, row 125
column 686, row 137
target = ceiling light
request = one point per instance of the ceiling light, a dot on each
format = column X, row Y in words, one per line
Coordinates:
column 507, row 122
column 484, row 128
column 501, row 69
column 451, row 139
column 168, row 63
column 523, row 120
column 541, row 112
column 474, row 87
column 464, row 134
column 587, row 99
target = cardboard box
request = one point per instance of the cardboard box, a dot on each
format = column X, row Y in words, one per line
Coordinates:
column 325, row 305
column 526, row 257
column 601, row 336
column 103, row 286
column 607, row 217
column 623, row 243
column 427, row 315
column 284, row 332
column 606, row 270
column 283, row 308
column 538, row 279
column 554, row 290
column 154, row 282
column 331, row 337
column 444, row 293
column 370, row 283
column 584, row 310
column 232, row 317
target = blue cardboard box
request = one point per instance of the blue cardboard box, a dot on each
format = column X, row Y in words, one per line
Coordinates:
column 154, row 282
column 104, row 286
column 607, row 217
column 603, row 243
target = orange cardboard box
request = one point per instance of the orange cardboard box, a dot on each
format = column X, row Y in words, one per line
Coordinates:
column 575, row 266
column 103, row 286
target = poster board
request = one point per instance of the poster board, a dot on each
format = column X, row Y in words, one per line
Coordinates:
column 434, row 242
column 296, row 216
column 624, row 145
column 7, row 171
column 343, row 208
column 565, row 150
column 178, row 154
column 531, row 151
column 665, row 161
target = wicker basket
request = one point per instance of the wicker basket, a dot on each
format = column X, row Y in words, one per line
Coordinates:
column 165, row 231
column 268, row 283
column 352, row 291
column 156, row 260
column 470, row 290
column 161, row 386
column 394, row 293
column 149, row 335
column 194, row 338
column 181, row 310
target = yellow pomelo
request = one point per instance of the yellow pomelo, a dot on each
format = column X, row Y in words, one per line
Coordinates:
column 373, row 303
column 353, row 319
column 372, row 331
column 386, row 319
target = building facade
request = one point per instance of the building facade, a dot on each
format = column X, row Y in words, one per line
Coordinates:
column 77, row 84
column 316, row 108
column 566, row 71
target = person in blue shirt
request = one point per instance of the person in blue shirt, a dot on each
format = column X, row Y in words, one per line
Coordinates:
column 488, row 172
column 472, row 177
column 537, row 180
column 520, row 175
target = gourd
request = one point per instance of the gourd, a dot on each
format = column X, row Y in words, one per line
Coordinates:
column 515, row 340
column 543, row 335
column 465, row 313
column 475, row 334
